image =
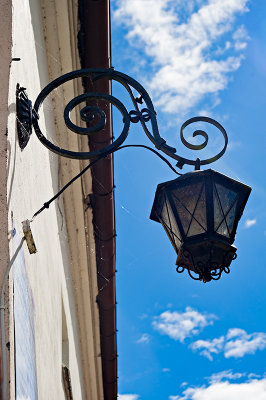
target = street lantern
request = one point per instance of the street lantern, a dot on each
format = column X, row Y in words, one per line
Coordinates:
column 200, row 212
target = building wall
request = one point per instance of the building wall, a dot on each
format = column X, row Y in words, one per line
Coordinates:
column 5, row 50
column 61, row 277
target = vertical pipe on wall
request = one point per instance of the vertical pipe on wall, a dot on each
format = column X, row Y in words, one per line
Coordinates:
column 95, row 52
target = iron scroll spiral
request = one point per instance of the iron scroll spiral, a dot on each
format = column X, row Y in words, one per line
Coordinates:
column 206, row 139
column 87, row 114
column 142, row 114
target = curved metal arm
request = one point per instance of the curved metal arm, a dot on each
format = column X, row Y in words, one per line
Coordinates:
column 95, row 118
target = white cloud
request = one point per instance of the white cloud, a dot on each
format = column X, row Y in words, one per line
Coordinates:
column 179, row 325
column 128, row 396
column 243, row 343
column 252, row 375
column 237, row 343
column 255, row 389
column 209, row 347
column 240, row 37
column 183, row 52
column 250, row 222
column 229, row 375
column 166, row 370
column 145, row 338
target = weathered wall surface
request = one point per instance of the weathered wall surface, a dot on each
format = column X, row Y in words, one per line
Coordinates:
column 33, row 178
column 61, row 33
column 5, row 51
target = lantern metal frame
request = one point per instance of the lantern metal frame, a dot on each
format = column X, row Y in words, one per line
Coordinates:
column 95, row 118
column 220, row 252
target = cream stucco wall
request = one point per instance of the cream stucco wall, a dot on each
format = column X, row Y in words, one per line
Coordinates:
column 5, row 51
column 34, row 176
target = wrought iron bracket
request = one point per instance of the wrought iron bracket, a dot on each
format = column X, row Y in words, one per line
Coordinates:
column 95, row 118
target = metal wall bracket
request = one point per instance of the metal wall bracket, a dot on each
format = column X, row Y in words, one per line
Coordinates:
column 24, row 116
column 95, row 118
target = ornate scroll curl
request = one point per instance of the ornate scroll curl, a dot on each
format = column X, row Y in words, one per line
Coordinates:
column 88, row 114
column 205, row 271
column 95, row 118
column 201, row 146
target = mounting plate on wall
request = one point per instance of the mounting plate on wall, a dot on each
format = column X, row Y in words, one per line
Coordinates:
column 24, row 116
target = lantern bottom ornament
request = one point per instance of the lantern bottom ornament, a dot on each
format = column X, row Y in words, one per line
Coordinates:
column 206, row 259
column 200, row 212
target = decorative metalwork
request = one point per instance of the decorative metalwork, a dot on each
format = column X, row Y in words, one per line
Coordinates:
column 205, row 271
column 200, row 212
column 182, row 161
column 203, row 242
column 91, row 114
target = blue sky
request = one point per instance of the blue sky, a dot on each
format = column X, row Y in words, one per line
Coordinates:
column 181, row 339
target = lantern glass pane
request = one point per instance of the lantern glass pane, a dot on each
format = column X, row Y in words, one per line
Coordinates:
column 223, row 230
column 190, row 205
column 218, row 214
column 226, row 196
column 199, row 220
column 230, row 218
column 169, row 223
column 224, row 209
